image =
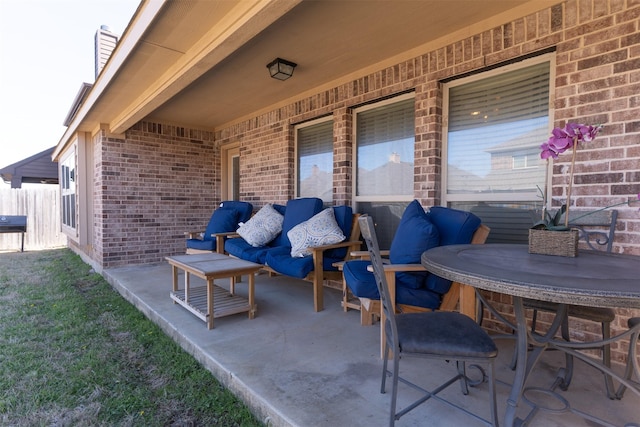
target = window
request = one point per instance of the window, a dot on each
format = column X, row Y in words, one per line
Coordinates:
column 314, row 154
column 521, row 161
column 384, row 158
column 68, row 190
column 494, row 125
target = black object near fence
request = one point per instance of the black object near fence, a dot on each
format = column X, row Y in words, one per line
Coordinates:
column 14, row 224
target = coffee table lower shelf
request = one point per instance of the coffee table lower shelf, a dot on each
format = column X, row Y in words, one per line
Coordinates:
column 224, row 304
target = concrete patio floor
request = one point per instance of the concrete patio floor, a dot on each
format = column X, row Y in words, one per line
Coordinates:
column 295, row 367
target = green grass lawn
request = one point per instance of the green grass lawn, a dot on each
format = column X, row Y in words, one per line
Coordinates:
column 74, row 352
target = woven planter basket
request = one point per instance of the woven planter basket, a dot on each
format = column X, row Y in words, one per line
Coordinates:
column 559, row 243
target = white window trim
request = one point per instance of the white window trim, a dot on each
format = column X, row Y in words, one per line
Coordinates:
column 69, row 157
column 354, row 183
column 295, row 146
column 500, row 197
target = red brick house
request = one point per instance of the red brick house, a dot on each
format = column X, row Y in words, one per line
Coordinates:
column 185, row 114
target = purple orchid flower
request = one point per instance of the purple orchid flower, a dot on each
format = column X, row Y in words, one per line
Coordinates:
column 563, row 139
column 547, row 151
column 560, row 141
column 588, row 133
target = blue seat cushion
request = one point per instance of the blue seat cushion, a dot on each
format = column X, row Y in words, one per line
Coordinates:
column 240, row 248
column 204, row 245
column 280, row 260
column 296, row 211
column 362, row 284
column 455, row 227
column 415, row 234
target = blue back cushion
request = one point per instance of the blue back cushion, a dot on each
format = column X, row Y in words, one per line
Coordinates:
column 415, row 234
column 245, row 209
column 223, row 220
column 297, row 211
column 344, row 218
column 456, row 227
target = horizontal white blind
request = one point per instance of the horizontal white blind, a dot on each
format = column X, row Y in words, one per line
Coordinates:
column 391, row 122
column 315, row 139
column 495, row 128
column 506, row 98
column 315, row 161
column 385, row 139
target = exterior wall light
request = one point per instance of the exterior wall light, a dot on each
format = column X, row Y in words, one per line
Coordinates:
column 281, row 69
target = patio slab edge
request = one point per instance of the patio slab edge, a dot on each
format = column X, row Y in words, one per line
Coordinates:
column 256, row 403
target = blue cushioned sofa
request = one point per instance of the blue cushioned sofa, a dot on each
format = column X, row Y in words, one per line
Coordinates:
column 317, row 266
column 295, row 212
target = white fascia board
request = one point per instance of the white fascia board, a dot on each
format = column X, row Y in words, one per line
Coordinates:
column 143, row 17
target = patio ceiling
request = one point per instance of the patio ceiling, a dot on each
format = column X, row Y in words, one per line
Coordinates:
column 203, row 63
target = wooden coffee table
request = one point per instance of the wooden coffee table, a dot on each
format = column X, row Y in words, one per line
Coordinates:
column 212, row 301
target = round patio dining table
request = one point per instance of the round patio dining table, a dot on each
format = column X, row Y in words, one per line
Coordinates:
column 592, row 278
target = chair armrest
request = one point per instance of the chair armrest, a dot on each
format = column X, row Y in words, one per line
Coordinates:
column 404, row 267
column 220, row 237
column 400, row 268
column 193, row 234
column 226, row 234
column 365, row 254
column 345, row 244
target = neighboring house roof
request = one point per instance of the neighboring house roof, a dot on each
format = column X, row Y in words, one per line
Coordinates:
column 377, row 182
column 37, row 169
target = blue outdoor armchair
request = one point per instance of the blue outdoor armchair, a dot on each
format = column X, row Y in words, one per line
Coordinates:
column 415, row 288
column 225, row 219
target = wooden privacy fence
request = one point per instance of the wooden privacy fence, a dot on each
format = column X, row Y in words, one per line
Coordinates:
column 41, row 205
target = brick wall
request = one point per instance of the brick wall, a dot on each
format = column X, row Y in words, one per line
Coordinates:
column 152, row 187
column 597, row 80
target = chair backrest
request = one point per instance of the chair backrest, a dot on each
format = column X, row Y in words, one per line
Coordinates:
column 245, row 209
column 368, row 233
column 296, row 211
column 600, row 239
column 227, row 217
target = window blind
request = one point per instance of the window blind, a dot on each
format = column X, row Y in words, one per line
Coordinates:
column 505, row 98
column 491, row 122
column 315, row 161
column 391, row 122
column 315, row 139
column 385, row 139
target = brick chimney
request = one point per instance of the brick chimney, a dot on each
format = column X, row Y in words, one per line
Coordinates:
column 105, row 42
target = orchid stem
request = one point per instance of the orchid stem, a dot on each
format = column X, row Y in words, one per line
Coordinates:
column 573, row 162
column 545, row 195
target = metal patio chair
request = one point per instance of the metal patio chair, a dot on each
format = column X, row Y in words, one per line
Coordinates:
column 448, row 336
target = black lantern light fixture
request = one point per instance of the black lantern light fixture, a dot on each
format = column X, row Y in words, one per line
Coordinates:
column 281, row 69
